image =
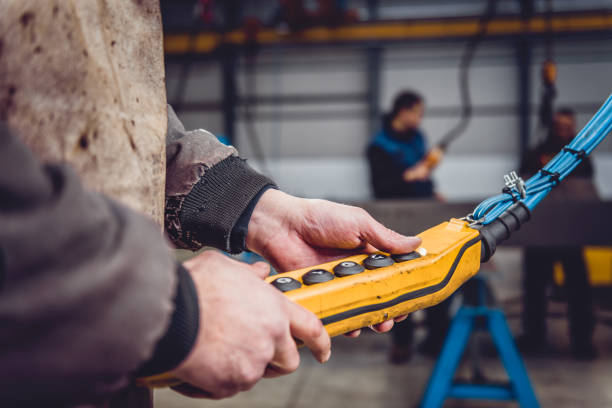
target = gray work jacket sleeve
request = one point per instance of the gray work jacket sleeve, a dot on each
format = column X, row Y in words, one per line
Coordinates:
column 209, row 188
column 86, row 285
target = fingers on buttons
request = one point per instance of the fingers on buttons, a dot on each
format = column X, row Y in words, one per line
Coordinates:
column 377, row 261
column 406, row 257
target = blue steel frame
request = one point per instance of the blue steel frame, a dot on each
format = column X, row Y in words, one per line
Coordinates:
column 441, row 385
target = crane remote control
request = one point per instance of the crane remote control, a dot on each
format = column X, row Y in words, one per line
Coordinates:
column 368, row 289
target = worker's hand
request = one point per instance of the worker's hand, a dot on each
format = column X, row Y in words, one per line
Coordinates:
column 422, row 170
column 294, row 233
column 434, row 157
column 418, row 172
column 247, row 329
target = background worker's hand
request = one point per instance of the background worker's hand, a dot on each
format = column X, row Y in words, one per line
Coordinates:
column 418, row 172
column 247, row 329
column 294, row 233
column 434, row 157
column 422, row 170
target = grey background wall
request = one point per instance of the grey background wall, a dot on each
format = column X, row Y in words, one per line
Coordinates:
column 317, row 150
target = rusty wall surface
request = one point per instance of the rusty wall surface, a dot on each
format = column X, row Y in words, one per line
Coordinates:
column 83, row 82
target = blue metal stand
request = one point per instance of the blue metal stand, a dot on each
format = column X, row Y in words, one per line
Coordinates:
column 468, row 319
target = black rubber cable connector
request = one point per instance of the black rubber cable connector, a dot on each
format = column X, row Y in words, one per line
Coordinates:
column 500, row 230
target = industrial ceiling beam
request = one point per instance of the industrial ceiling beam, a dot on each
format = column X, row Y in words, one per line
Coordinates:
column 393, row 31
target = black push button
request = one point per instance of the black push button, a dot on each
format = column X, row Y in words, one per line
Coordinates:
column 285, row 284
column 317, row 276
column 347, row 268
column 406, row 257
column 377, row 261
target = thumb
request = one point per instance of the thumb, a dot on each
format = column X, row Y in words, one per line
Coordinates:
column 387, row 240
column 261, row 269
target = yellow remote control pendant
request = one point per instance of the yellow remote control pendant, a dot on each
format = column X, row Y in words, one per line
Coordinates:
column 363, row 290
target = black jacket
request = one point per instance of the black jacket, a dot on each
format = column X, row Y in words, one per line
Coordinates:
column 386, row 171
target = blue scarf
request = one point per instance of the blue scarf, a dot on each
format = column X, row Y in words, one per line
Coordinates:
column 405, row 153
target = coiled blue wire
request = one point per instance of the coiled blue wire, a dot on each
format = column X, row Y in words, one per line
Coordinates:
column 538, row 186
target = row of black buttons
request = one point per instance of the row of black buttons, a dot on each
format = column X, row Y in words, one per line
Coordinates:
column 345, row 268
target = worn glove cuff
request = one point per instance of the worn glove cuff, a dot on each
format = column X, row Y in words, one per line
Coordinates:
column 210, row 211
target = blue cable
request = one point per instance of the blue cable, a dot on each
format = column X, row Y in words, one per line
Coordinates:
column 555, row 171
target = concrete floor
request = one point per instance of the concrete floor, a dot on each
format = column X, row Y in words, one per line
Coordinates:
column 358, row 374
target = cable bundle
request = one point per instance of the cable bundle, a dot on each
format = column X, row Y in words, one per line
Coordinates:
column 538, row 186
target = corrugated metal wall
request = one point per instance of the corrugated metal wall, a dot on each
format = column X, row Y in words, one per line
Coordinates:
column 316, row 149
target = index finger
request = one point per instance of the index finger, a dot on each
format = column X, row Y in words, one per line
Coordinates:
column 385, row 239
column 306, row 327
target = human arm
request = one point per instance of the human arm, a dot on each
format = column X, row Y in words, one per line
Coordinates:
column 208, row 188
column 90, row 297
column 422, row 170
column 293, row 233
column 202, row 176
column 86, row 285
column 338, row 226
column 249, row 332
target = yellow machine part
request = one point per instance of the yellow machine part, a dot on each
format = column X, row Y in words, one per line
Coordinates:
column 448, row 256
column 598, row 260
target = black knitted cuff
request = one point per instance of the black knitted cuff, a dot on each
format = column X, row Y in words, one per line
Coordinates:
column 214, row 205
column 182, row 332
column 241, row 229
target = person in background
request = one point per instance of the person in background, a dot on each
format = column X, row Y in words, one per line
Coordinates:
column 538, row 262
column 398, row 170
column 397, row 151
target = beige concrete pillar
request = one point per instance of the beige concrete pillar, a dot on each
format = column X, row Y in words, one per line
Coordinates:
column 83, row 82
